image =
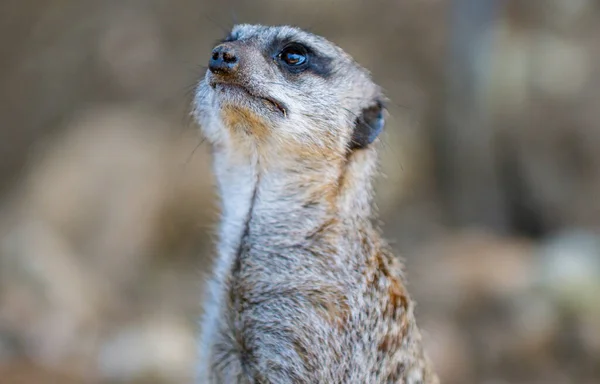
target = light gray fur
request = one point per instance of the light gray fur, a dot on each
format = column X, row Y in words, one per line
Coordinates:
column 304, row 290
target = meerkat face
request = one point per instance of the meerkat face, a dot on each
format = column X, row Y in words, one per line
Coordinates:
column 284, row 87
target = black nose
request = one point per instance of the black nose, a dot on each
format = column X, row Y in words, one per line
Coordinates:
column 223, row 61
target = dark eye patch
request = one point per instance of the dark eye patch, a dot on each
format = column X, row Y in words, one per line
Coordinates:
column 316, row 63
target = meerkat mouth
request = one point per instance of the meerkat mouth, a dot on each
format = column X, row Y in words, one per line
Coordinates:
column 274, row 104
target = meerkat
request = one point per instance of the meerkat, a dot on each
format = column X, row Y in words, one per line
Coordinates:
column 304, row 289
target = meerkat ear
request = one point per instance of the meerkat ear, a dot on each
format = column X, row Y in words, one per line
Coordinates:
column 367, row 126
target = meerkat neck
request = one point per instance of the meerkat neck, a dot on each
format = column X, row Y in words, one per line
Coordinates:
column 282, row 204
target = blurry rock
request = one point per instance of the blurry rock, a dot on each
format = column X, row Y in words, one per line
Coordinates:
column 566, row 13
column 448, row 350
column 161, row 349
column 24, row 372
column 569, row 269
column 569, row 274
column 561, row 67
column 101, row 187
column 79, row 236
column 589, row 334
column 535, row 322
column 463, row 267
column 105, row 184
column 47, row 300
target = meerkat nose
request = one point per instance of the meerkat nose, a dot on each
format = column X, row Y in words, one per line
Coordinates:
column 223, row 60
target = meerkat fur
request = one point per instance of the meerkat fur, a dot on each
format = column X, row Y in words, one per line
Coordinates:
column 304, row 289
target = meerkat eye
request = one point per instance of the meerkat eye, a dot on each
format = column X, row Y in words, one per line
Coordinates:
column 293, row 55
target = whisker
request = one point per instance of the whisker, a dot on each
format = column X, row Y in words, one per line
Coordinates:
column 223, row 29
column 191, row 155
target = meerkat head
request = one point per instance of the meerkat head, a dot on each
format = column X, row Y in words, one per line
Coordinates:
column 284, row 90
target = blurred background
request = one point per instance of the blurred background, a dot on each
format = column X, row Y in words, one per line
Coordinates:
column 491, row 190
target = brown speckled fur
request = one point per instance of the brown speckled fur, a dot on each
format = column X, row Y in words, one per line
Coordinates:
column 304, row 289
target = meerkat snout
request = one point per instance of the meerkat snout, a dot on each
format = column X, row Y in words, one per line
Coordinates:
column 223, row 60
